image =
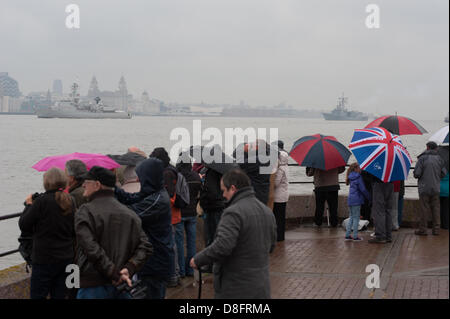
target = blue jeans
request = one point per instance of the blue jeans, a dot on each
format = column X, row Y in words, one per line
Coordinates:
column 188, row 225
column 49, row 279
column 102, row 292
column 156, row 287
column 353, row 223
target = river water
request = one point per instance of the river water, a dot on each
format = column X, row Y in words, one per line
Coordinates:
column 25, row 139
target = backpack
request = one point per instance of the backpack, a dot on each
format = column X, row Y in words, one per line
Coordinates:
column 181, row 189
column 182, row 198
column 25, row 249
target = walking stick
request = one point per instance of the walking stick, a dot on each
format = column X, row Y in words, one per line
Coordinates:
column 328, row 216
column 199, row 283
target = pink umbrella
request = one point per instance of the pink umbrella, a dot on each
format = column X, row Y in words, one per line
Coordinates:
column 88, row 159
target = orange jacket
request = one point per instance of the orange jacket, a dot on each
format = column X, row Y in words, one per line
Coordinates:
column 176, row 212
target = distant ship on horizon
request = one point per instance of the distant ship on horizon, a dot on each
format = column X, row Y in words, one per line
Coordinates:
column 73, row 109
column 340, row 113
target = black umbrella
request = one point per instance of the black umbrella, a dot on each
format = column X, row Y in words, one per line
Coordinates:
column 129, row 159
column 399, row 125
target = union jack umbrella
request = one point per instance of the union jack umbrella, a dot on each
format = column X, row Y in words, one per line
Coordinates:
column 381, row 154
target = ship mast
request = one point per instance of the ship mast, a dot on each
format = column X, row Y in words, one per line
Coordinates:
column 341, row 102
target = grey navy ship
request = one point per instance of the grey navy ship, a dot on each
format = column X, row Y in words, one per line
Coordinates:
column 73, row 109
column 341, row 113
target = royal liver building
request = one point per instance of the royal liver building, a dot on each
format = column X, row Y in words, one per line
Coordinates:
column 119, row 99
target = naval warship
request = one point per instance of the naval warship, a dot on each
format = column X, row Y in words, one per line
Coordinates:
column 73, row 109
column 340, row 113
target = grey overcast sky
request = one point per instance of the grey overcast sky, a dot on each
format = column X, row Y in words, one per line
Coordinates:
column 303, row 52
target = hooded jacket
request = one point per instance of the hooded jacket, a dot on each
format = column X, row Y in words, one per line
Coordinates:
column 152, row 205
column 281, row 179
column 429, row 170
column 357, row 191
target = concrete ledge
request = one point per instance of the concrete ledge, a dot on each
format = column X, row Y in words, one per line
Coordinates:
column 301, row 208
column 15, row 281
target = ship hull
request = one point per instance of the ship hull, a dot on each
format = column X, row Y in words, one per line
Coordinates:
column 332, row 117
column 47, row 114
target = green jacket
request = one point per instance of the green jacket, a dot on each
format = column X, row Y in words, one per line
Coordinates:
column 77, row 193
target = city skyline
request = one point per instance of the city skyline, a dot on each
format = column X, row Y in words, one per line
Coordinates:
column 263, row 52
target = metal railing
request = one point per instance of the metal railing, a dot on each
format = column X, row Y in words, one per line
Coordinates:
column 10, row 216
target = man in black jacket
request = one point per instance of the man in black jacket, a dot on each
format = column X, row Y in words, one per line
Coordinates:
column 152, row 205
column 188, row 223
column 111, row 245
column 212, row 202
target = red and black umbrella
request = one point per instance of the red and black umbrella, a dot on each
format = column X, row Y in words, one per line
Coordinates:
column 319, row 151
column 399, row 125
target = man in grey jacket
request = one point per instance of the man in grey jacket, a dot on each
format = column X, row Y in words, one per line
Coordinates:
column 245, row 236
column 429, row 170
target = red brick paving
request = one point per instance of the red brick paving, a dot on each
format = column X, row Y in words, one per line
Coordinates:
column 319, row 264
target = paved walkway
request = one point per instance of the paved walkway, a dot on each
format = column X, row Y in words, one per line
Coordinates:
column 318, row 264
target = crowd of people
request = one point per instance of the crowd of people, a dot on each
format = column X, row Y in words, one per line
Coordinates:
column 139, row 223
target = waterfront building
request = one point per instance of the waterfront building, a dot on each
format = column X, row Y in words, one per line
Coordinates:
column 57, row 90
column 9, row 94
column 119, row 99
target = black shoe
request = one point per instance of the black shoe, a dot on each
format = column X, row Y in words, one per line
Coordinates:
column 420, row 233
column 376, row 241
column 174, row 282
column 389, row 240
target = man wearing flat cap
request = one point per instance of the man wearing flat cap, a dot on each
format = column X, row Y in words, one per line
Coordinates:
column 111, row 245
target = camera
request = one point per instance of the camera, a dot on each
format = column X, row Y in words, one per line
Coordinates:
column 34, row 197
column 136, row 291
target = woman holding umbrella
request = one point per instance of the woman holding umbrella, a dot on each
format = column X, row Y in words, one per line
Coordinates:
column 381, row 154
